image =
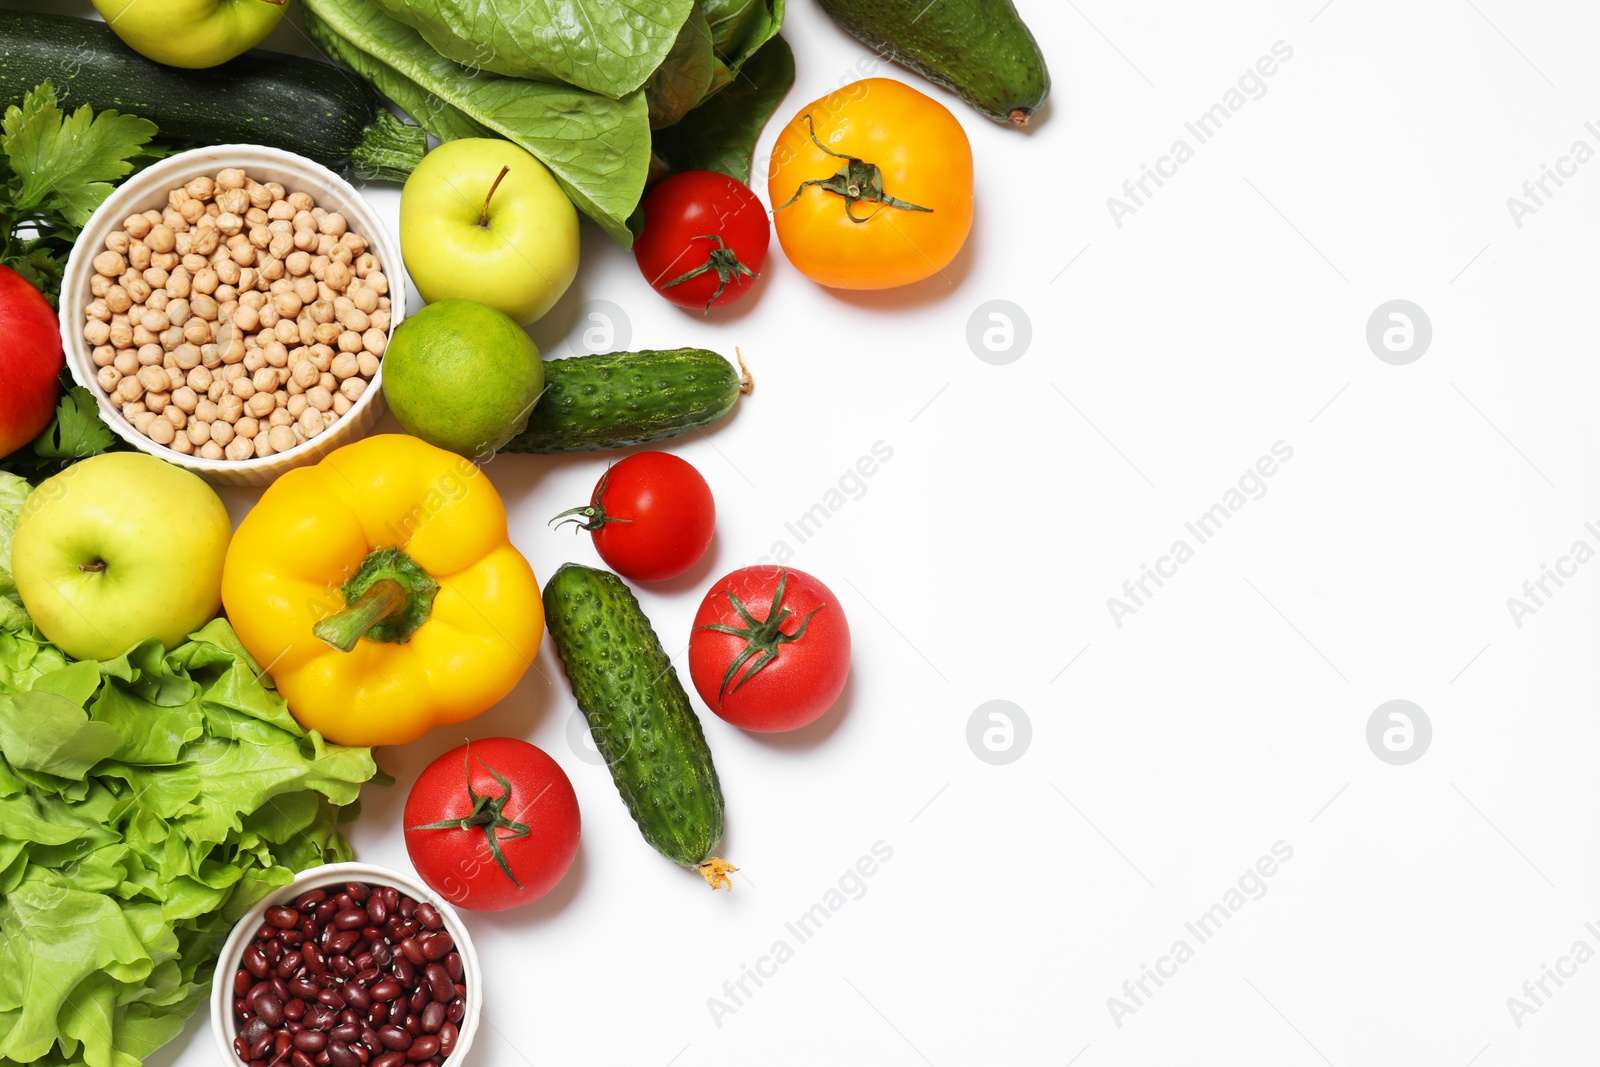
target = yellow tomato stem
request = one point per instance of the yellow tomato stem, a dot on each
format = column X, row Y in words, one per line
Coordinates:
column 383, row 598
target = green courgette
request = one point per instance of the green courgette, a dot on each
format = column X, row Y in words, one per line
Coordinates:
column 261, row 97
column 639, row 716
column 629, row 398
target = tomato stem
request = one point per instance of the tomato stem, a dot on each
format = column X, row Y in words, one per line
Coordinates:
column 488, row 815
column 762, row 637
column 593, row 516
column 857, row 180
column 723, row 260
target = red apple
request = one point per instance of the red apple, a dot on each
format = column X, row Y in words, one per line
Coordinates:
column 30, row 361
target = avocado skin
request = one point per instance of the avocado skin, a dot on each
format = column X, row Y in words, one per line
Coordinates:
column 981, row 50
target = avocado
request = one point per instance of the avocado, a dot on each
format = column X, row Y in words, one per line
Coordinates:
column 979, row 49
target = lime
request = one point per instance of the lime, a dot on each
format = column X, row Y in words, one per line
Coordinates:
column 462, row 376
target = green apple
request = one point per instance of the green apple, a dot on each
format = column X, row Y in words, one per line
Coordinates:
column 191, row 33
column 117, row 549
column 482, row 219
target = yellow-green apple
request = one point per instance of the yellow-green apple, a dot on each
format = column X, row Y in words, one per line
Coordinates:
column 191, row 33
column 117, row 549
column 482, row 219
column 30, row 361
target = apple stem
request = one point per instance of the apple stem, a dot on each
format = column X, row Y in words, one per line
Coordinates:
column 95, row 567
column 483, row 219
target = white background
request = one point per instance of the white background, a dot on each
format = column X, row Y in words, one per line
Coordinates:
column 1228, row 713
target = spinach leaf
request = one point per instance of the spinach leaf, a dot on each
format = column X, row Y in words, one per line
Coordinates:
column 606, row 46
column 739, row 28
column 597, row 148
column 721, row 134
column 681, row 81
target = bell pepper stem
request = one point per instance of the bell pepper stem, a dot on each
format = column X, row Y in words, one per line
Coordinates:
column 383, row 598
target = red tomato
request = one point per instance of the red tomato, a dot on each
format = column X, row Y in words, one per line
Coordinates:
column 704, row 241
column 770, row 650
column 492, row 824
column 652, row 517
column 30, row 360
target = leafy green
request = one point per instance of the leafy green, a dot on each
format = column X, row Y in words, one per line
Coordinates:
column 721, row 134
column 597, row 148
column 739, row 28
column 684, row 76
column 75, row 433
column 146, row 803
column 609, row 47
column 13, row 491
column 55, row 169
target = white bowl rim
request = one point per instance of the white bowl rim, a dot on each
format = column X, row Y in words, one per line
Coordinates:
column 223, row 1027
column 94, row 232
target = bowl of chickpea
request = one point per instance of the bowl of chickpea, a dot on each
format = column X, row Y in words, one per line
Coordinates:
column 229, row 308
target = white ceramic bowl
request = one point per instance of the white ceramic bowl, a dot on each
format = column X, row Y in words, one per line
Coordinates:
column 223, row 1025
column 148, row 189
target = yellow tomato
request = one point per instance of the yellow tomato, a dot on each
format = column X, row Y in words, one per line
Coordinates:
column 871, row 186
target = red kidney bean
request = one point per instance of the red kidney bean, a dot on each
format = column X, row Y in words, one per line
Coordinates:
column 436, row 946
column 309, row 900
column 457, row 1010
column 366, row 977
column 283, row 918
column 313, row 957
column 359, row 891
column 369, row 1038
column 345, row 1032
column 255, row 961
column 321, row 1017
column 268, row 1007
column 439, row 984
column 280, row 1045
column 239, row 1008
column 452, row 963
column 377, row 910
column 372, row 935
column 395, row 1037
column 378, row 1015
column 345, row 901
column 390, row 1059
column 241, row 982
column 325, row 911
column 412, row 1024
column 386, row 990
column 241, row 1048
column 291, row 938
column 259, row 1047
column 362, row 1053
column 304, row 987
column 447, row 1038
column 423, row 1048
column 343, row 941
column 358, row 998
column 295, row 1009
column 400, row 929
column 413, row 951
column 382, row 955
column 322, row 1059
column 332, row 999
column 353, row 919
column 280, row 989
column 341, row 966
column 432, row 1018
column 300, row 1059
column 274, row 950
column 404, row 971
column 408, row 907
column 339, row 1055
column 419, row 997
column 429, row 916
column 265, row 932
column 310, row 1041
column 289, row 965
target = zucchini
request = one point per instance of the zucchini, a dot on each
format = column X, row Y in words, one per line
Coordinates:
column 639, row 716
column 260, row 97
column 628, row 398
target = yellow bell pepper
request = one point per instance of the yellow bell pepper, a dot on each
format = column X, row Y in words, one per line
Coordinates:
column 381, row 591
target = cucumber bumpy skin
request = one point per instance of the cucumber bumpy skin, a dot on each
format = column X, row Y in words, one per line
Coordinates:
column 628, row 398
column 639, row 716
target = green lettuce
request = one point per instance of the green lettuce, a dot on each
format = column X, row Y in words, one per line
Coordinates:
column 146, row 803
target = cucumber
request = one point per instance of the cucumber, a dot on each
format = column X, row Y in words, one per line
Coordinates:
column 260, row 97
column 639, row 716
column 628, row 398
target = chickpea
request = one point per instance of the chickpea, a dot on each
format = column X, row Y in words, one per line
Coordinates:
column 121, row 335
column 319, row 397
column 182, row 446
column 100, row 285
column 281, row 211
column 160, row 431
column 159, row 401
column 260, row 405
column 230, row 409
column 97, row 332
column 110, row 263
column 310, row 421
column 351, row 389
column 107, row 378
column 137, row 226
column 380, row 319
column 198, row 378
column 221, row 432
column 129, row 389
column 305, row 374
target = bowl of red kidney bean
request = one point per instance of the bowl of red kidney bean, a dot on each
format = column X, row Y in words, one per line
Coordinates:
column 350, row 965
